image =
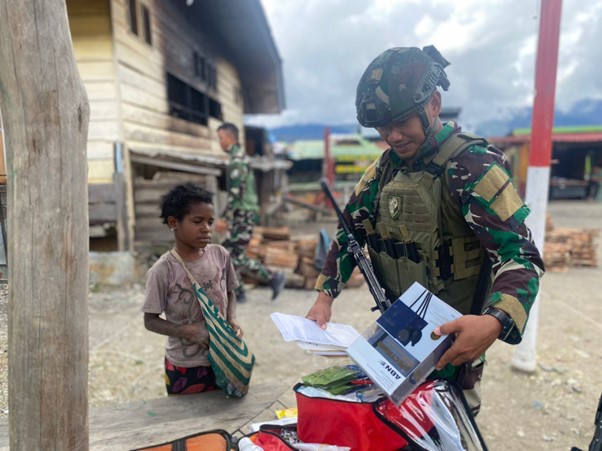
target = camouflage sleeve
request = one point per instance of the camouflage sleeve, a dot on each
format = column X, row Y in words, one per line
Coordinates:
column 479, row 180
column 237, row 172
column 339, row 264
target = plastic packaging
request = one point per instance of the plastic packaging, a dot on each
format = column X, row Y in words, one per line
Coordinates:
column 245, row 444
column 319, row 447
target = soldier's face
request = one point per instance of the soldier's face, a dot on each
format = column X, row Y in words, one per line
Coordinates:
column 404, row 137
column 225, row 139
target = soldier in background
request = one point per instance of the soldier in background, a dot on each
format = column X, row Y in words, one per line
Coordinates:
column 241, row 214
column 438, row 207
column 595, row 179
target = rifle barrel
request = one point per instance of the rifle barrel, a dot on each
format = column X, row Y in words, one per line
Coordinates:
column 353, row 247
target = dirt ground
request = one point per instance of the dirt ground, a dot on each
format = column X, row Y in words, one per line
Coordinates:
column 551, row 409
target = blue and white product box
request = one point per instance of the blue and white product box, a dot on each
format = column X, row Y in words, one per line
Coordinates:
column 401, row 349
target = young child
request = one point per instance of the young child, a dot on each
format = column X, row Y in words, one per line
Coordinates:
column 188, row 211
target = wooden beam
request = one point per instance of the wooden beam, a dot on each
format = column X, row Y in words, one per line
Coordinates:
column 45, row 113
column 149, row 422
column 180, row 166
column 300, row 203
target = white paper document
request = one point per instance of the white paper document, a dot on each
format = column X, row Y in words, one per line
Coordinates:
column 299, row 328
column 325, row 350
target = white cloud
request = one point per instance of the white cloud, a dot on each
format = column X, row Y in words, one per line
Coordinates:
column 326, row 45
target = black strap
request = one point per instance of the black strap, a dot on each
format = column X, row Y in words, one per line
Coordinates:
column 452, row 147
column 478, row 300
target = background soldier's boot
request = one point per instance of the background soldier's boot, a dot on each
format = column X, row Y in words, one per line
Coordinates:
column 277, row 284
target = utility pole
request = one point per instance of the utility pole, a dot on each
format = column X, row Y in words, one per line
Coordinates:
column 538, row 175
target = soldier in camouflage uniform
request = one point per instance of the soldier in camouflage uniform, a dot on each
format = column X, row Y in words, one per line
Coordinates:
column 241, row 214
column 437, row 207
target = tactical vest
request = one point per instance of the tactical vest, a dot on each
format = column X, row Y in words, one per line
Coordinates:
column 420, row 233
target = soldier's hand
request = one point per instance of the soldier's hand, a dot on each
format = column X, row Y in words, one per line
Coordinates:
column 321, row 311
column 474, row 335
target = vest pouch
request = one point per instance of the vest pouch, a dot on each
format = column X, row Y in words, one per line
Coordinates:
column 410, row 272
column 397, row 275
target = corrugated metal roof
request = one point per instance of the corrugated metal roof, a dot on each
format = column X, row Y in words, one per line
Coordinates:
column 244, row 34
column 556, row 137
column 563, row 129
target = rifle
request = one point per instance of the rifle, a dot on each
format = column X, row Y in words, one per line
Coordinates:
column 596, row 443
column 353, row 247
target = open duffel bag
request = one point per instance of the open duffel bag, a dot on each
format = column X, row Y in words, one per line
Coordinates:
column 271, row 437
column 435, row 417
column 214, row 440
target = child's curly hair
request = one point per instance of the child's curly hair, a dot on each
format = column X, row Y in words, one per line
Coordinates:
column 178, row 201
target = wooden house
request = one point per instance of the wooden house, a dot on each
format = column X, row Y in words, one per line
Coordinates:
column 161, row 76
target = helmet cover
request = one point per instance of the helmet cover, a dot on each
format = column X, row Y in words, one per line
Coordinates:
column 398, row 83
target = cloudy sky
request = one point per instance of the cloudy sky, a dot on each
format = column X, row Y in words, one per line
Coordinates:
column 325, row 45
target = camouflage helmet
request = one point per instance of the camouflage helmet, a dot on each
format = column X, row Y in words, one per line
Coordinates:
column 398, row 83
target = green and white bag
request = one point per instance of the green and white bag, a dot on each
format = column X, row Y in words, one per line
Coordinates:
column 230, row 358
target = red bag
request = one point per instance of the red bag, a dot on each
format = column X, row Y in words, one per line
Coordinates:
column 269, row 437
column 434, row 416
column 344, row 423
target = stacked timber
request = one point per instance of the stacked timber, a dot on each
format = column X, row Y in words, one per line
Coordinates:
column 557, row 256
column 549, row 223
column 583, row 247
column 296, row 256
column 566, row 247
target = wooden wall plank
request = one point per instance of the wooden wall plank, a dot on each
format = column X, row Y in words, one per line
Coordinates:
column 100, row 150
column 101, row 90
column 96, row 70
column 75, row 7
column 150, row 82
column 90, row 26
column 203, row 144
column 136, row 96
column 136, row 132
column 100, row 171
column 104, row 131
column 93, row 47
column 104, row 111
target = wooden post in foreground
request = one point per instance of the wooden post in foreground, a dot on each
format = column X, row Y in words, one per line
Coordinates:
column 45, row 113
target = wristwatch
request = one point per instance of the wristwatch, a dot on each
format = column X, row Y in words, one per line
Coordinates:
column 502, row 317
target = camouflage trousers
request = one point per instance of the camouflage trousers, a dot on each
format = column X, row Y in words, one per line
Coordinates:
column 239, row 235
